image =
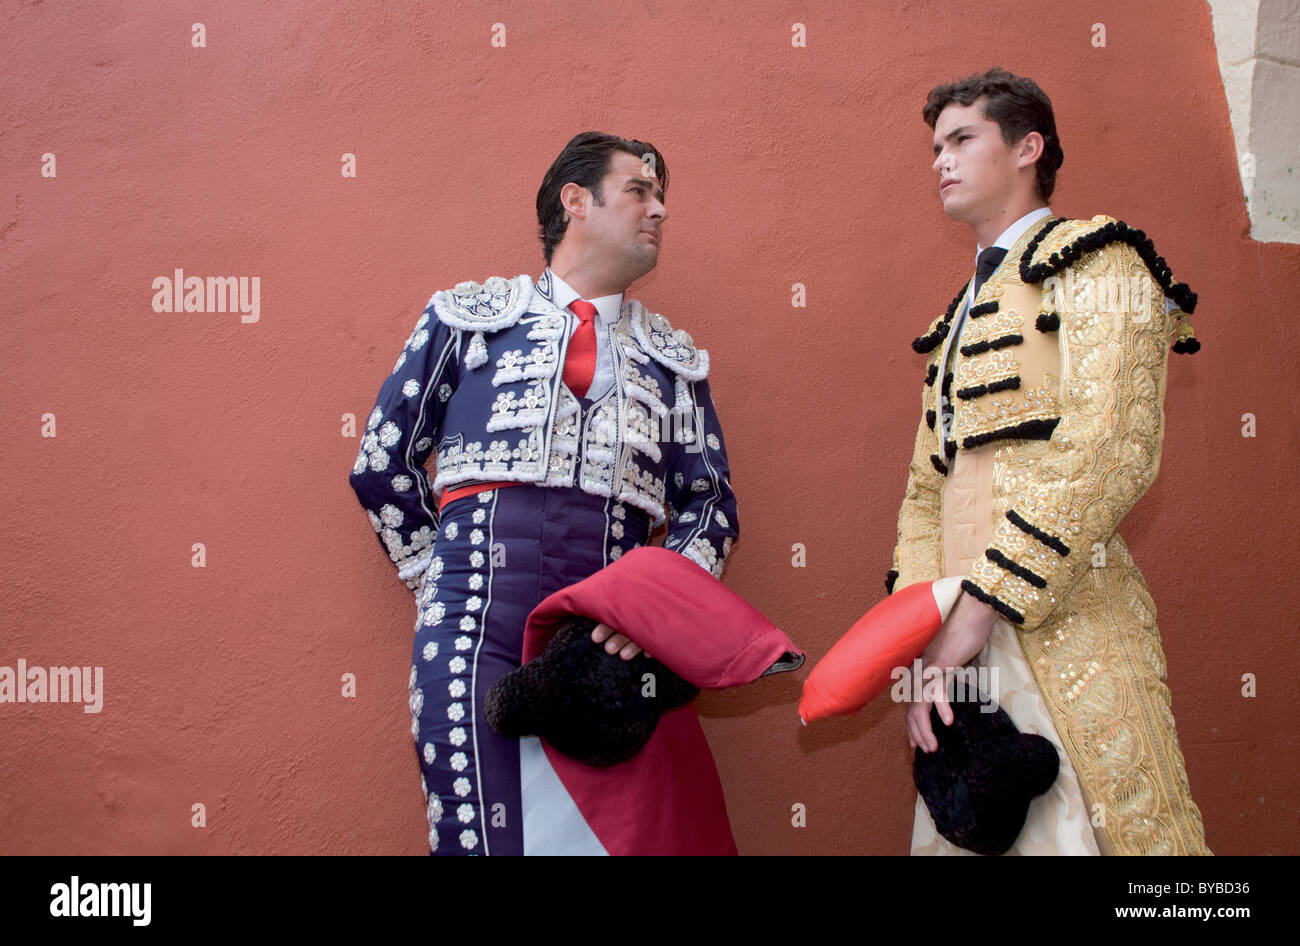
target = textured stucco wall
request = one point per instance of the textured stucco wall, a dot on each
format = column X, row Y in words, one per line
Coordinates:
column 809, row 165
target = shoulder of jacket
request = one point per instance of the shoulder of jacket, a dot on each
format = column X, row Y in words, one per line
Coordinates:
column 672, row 348
column 490, row 306
column 1063, row 242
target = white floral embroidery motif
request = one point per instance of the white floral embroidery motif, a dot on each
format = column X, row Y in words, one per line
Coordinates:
column 702, row 551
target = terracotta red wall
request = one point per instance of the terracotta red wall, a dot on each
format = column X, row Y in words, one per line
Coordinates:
column 810, row 165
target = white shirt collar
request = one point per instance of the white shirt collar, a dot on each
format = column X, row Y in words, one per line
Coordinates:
column 1013, row 233
column 607, row 307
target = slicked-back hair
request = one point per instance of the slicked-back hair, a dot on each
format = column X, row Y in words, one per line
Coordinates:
column 584, row 161
column 1017, row 104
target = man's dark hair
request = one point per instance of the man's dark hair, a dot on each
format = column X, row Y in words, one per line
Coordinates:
column 1017, row 104
column 584, row 161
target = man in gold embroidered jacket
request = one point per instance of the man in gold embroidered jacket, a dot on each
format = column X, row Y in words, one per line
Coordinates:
column 1043, row 424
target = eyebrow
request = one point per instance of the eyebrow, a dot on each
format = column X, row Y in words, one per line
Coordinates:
column 952, row 134
column 644, row 182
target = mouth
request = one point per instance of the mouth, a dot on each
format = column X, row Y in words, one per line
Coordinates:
column 654, row 235
column 943, row 186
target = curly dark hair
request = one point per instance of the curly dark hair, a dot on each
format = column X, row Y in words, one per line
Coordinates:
column 1017, row 104
column 584, row 161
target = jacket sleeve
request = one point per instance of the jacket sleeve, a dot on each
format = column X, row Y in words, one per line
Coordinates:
column 918, row 556
column 401, row 430
column 703, row 522
column 1102, row 456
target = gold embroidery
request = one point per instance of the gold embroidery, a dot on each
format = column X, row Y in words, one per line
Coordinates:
column 994, row 325
column 990, row 412
column 997, row 366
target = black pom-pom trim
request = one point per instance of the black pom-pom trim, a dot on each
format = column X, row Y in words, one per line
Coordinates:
column 1051, row 541
column 891, row 576
column 950, row 448
column 931, row 374
column 1006, row 384
column 1115, row 232
column 975, row 348
column 929, row 419
column 984, row 308
column 1187, row 346
column 1048, row 322
column 927, row 343
column 938, row 464
column 1028, row 255
column 1004, row 609
column 997, row 558
column 947, row 384
column 1029, row 430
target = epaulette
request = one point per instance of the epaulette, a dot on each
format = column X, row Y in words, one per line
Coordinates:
column 496, row 304
column 672, row 348
column 1062, row 242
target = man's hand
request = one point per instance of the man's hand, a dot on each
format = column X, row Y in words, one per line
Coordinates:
column 961, row 638
column 619, row 644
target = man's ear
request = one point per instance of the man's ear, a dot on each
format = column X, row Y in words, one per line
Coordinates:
column 1029, row 150
column 574, row 199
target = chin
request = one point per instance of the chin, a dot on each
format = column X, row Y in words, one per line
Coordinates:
column 955, row 209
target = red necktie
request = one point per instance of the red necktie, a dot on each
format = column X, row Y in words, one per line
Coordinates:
column 580, row 360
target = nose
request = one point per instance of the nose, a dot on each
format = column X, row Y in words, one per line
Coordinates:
column 942, row 160
column 656, row 210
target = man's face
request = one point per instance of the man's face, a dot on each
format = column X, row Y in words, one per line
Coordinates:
column 977, row 170
column 628, row 223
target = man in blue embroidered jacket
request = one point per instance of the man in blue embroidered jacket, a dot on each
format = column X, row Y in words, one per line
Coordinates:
column 598, row 413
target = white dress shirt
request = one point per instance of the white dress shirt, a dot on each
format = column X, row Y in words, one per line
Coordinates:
column 607, row 312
